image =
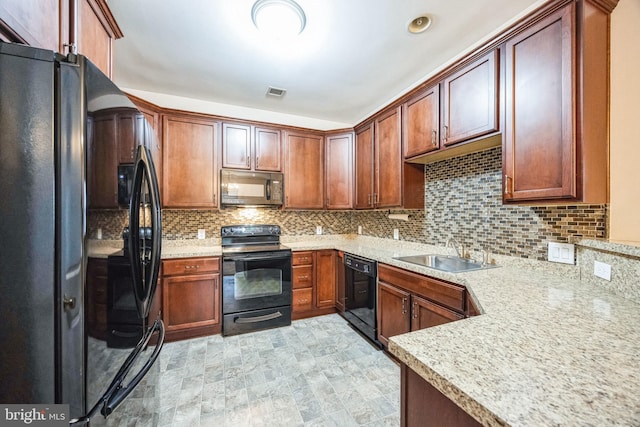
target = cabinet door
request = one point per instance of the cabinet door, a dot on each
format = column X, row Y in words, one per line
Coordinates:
column 364, row 168
column 191, row 301
column 95, row 35
column 325, row 290
column 236, row 146
column 339, row 182
column 188, row 158
column 388, row 160
column 420, row 117
column 471, row 101
column 340, row 281
column 131, row 133
column 304, row 180
column 268, row 144
column 425, row 314
column 539, row 142
column 103, row 171
column 393, row 312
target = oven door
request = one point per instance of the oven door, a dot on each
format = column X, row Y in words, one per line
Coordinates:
column 253, row 281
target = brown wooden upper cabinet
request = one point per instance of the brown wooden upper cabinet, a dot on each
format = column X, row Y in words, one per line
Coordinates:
column 421, row 122
column 463, row 107
column 304, row 165
column 555, row 144
column 190, row 178
column 382, row 179
column 470, row 101
column 114, row 135
column 339, row 171
column 251, row 147
column 56, row 24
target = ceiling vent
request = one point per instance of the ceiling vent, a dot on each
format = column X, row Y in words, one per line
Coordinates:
column 276, row 92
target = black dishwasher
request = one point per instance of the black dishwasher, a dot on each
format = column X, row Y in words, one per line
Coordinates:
column 360, row 300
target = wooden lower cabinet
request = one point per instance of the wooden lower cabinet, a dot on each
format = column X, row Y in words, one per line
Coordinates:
column 421, row 404
column 408, row 302
column 314, row 283
column 393, row 312
column 425, row 314
column 340, row 281
column 325, row 295
column 96, row 298
column 191, row 297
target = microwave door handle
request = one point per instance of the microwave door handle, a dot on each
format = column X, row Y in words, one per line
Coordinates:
column 268, row 189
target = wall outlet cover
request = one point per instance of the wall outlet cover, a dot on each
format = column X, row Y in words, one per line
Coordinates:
column 202, row 233
column 396, row 234
column 318, row 229
column 602, row 270
column 561, row 252
column 359, row 229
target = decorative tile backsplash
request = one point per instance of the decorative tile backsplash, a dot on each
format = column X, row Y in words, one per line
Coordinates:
column 462, row 199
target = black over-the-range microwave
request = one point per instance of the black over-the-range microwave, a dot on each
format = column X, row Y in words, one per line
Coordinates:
column 245, row 188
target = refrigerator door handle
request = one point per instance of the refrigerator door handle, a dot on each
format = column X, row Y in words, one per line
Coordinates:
column 117, row 392
column 145, row 261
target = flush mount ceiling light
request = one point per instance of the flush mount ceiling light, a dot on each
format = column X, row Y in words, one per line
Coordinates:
column 420, row 24
column 278, row 18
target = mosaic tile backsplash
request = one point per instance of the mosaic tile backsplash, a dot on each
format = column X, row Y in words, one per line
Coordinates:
column 462, row 200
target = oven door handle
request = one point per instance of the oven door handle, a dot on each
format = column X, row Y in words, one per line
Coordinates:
column 255, row 258
column 257, row 319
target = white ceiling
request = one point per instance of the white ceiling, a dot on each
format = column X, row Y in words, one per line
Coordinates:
column 353, row 57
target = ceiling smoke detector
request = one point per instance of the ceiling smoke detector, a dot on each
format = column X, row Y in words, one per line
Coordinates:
column 276, row 92
column 420, row 24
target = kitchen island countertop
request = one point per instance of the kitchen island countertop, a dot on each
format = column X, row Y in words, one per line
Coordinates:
column 547, row 350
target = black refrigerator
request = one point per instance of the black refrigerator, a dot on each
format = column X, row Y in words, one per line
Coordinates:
column 46, row 102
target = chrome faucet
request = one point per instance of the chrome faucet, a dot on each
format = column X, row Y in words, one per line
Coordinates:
column 456, row 245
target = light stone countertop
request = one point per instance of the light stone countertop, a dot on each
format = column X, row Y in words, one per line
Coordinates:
column 547, row 350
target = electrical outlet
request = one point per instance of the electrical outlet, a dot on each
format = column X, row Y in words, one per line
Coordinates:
column 396, row 234
column 561, row 252
column 318, row 229
column 202, row 233
column 99, row 234
column 602, row 270
column 359, row 229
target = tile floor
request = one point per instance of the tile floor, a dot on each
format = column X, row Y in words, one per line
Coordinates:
column 316, row 372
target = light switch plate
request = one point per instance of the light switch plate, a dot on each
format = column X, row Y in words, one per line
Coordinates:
column 561, row 252
column 202, row 233
column 602, row 270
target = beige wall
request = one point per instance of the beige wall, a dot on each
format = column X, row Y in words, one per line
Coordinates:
column 625, row 123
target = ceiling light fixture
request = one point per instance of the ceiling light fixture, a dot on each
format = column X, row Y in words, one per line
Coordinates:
column 420, row 24
column 278, row 18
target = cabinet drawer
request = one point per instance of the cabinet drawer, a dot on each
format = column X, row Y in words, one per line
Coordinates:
column 183, row 266
column 302, row 276
column 447, row 294
column 302, row 258
column 302, row 299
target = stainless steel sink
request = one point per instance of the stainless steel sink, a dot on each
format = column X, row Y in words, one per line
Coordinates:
column 448, row 263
